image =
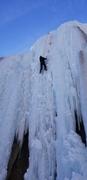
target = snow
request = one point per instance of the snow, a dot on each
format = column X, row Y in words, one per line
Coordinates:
column 45, row 105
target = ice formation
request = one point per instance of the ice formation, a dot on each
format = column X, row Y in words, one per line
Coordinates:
column 48, row 105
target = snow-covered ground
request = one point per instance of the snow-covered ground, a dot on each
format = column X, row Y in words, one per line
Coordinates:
column 45, row 104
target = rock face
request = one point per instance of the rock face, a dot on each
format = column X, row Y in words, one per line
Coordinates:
column 19, row 160
column 51, row 106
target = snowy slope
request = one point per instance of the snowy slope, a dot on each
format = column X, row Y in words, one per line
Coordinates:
column 29, row 100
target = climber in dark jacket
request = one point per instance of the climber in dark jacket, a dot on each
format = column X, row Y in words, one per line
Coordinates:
column 42, row 64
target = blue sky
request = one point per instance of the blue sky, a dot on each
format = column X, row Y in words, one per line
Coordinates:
column 22, row 22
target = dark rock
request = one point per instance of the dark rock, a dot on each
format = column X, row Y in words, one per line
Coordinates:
column 19, row 160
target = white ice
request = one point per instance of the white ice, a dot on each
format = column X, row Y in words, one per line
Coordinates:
column 31, row 101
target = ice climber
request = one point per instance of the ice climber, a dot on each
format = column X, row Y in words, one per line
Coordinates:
column 43, row 65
